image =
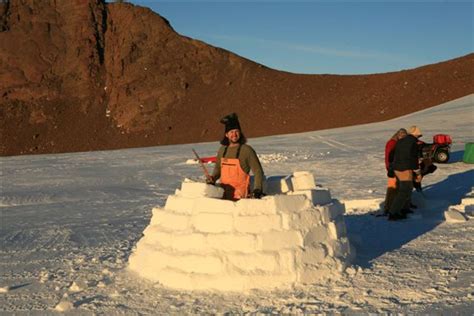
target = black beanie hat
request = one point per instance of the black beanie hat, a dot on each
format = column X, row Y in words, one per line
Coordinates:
column 231, row 122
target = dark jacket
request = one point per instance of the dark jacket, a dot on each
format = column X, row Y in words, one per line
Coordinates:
column 406, row 154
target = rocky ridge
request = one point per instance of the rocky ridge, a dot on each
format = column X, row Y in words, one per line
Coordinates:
column 90, row 75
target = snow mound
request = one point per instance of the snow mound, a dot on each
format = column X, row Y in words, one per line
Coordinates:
column 363, row 206
column 454, row 216
column 199, row 241
column 78, row 286
column 270, row 158
column 64, row 304
column 462, row 211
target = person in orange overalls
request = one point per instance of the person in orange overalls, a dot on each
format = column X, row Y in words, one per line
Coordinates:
column 235, row 160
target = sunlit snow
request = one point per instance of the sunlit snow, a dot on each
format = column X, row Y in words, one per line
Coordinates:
column 70, row 221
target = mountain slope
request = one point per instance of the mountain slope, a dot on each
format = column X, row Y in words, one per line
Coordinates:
column 90, row 75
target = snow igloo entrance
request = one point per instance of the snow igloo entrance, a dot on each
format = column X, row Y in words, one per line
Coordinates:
column 294, row 235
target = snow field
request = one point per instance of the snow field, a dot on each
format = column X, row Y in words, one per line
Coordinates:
column 71, row 217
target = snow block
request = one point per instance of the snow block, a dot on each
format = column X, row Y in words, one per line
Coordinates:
column 197, row 189
column 231, row 282
column 313, row 255
column 211, row 205
column 183, row 281
column 188, row 263
column 302, row 180
column 64, row 305
column 257, row 224
column 289, row 203
column 255, row 206
column 302, row 221
column 280, row 240
column 453, row 216
column 286, row 261
column 467, row 205
column 277, row 185
column 337, row 229
column 330, row 212
column 467, row 201
column 317, row 196
column 213, row 223
column 252, row 263
column 198, row 242
column 169, row 221
column 368, row 204
column 286, row 184
column 189, row 243
column 336, row 209
column 316, row 236
column 232, row 243
column 144, row 262
column 339, row 248
column 196, row 264
column 180, row 204
column 469, row 210
column 174, row 279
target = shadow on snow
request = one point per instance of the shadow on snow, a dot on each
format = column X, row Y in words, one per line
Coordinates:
column 373, row 236
column 456, row 156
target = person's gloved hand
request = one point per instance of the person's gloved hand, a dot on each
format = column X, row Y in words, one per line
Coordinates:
column 418, row 178
column 210, row 180
column 257, row 194
column 390, row 173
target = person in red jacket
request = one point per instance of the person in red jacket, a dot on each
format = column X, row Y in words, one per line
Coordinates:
column 406, row 166
column 392, row 180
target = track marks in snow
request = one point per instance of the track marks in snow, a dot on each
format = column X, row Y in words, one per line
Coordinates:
column 7, row 200
column 37, row 239
column 335, row 144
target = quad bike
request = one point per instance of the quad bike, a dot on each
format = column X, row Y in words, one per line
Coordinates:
column 439, row 150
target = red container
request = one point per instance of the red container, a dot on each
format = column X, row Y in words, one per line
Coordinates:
column 209, row 159
column 442, row 139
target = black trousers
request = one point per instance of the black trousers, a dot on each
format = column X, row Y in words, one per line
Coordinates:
column 402, row 197
column 389, row 197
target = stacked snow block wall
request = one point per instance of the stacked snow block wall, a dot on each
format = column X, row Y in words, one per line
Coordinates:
column 199, row 241
column 461, row 212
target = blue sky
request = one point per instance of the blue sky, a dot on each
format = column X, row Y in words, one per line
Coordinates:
column 350, row 37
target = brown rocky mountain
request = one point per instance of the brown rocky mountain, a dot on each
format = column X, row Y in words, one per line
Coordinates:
column 79, row 75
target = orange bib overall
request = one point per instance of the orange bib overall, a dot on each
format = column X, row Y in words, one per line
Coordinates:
column 234, row 180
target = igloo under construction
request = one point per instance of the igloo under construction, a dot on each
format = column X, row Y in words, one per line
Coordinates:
column 198, row 241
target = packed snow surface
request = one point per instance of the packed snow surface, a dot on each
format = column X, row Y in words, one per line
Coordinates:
column 69, row 223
